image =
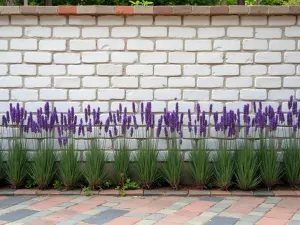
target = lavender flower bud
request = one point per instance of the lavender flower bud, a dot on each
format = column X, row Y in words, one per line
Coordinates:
column 254, row 106
column 198, row 111
column 177, row 108
column 210, row 109
column 290, row 119
column 46, row 108
column 110, row 134
column 89, row 110
column 131, row 132
column 7, row 117
column 118, row 116
column 120, row 108
column 115, row 131
column 134, row 122
column 159, row 126
column 295, row 128
column 189, row 115
column 195, row 127
column 106, row 125
column 294, row 107
column 166, row 132
column 110, row 116
column 60, row 141
column 133, row 107
column 142, row 112
column 290, row 102
column 114, row 119
column 86, row 115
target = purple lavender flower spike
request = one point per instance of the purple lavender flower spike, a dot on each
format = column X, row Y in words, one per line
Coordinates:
column 254, row 106
column 106, row 125
column 60, row 141
column 46, row 108
column 298, row 122
column 125, row 111
column 189, row 115
column 166, row 132
column 120, row 108
column 181, row 119
column 294, row 108
column 131, row 132
column 177, row 108
column 153, row 121
column 118, row 116
column 198, row 111
column 94, row 117
column 89, row 110
column 290, row 119
column 128, row 121
column 89, row 129
column 216, row 117
column 115, row 131
column 86, row 115
column 110, row 134
column 7, row 117
column 98, row 115
column 195, row 127
column 59, row 131
column 295, row 128
column 114, row 119
column 142, row 112
column 290, row 102
column 210, row 109
column 25, row 114
column 65, row 141
column 135, row 122
column 100, row 125
column 72, row 113
column 159, row 126
column 247, row 129
column 124, row 125
column 110, row 116
column 190, row 126
column 133, row 108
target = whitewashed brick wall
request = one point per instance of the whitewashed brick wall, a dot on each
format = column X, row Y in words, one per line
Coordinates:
column 80, row 60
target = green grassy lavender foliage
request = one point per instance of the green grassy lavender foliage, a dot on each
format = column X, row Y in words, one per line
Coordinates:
column 44, row 163
column 69, row 168
column 201, row 168
column 94, row 171
column 121, row 161
column 246, row 166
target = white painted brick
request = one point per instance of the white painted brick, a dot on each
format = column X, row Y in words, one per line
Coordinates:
column 82, row 20
column 65, row 106
column 291, row 82
column 124, row 32
column 109, row 70
column 52, row 70
column 37, row 82
column 139, row 95
column 4, row 20
column 196, row 70
column 241, row 58
column 298, row 94
column 24, row 20
column 181, row 57
column 125, row 82
column 110, row 94
column 254, row 20
column 24, row 95
column 9, row 81
column 182, row 32
column 139, row 20
column 153, row 82
column 110, row 20
column 240, row 32
column 139, row 70
column 128, row 105
column 67, row 82
column 196, row 20
column 283, row 69
column 254, row 44
column 167, row 94
column 95, row 82
column 10, row 57
column 195, row 95
column 292, row 57
column 3, row 45
column 53, row 45
column 227, row 45
column 111, row 44
column 224, row 20
column 153, row 32
column 167, row 70
column 253, row 70
column 81, row 45
column 168, row 20
column 280, row 45
column 267, row 82
column 293, row 31
column 81, row 70
column 210, row 82
column 43, row 32
column 158, row 106
column 236, row 105
column 66, row 58
column 211, row 32
column 239, row 82
column 95, row 57
column 181, row 82
column 268, row 33
column 124, row 57
column 155, row 57
column 3, row 70
column 253, row 94
column 210, row 57
column 140, row 45
column 104, row 107
column 7, row 31
column 23, row 44
column 53, row 20
column 226, row 95
column 37, row 57
column 94, row 32
column 225, row 70
column 82, row 94
column 4, row 106
column 4, row 94
column 268, row 57
column 53, row 94
column 66, row 32
column 182, row 106
column 23, row 69
column 171, row 45
column 282, row 20
column 280, row 94
column 198, row 45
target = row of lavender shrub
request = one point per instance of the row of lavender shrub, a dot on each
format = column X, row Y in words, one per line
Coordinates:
column 245, row 167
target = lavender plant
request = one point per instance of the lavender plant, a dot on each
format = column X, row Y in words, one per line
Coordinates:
column 147, row 155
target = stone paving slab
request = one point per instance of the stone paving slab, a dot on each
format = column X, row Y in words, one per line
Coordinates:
column 144, row 210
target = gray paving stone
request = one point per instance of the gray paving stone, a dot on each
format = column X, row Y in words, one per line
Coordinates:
column 216, row 209
column 17, row 215
column 222, row 220
column 69, row 222
column 137, row 214
column 155, row 216
column 260, row 209
column 13, row 201
column 67, row 204
column 272, row 200
column 218, row 220
column 176, row 207
column 7, row 192
column 294, row 222
column 71, row 192
column 263, row 194
column 244, row 223
column 252, row 219
column 81, row 217
column 211, row 199
column 106, row 216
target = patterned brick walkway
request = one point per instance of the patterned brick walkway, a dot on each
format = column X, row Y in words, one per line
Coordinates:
column 149, row 210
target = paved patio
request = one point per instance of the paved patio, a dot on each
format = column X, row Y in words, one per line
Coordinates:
column 149, row 210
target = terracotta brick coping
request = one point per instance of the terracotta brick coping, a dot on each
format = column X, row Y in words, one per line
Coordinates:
column 155, row 192
column 150, row 10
